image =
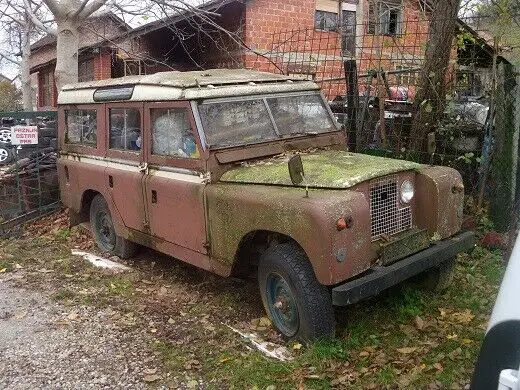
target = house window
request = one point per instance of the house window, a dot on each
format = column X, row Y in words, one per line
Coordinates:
column 47, row 93
column 325, row 21
column 86, row 70
column 385, row 17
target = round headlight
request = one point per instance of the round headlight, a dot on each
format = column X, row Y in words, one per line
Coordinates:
column 407, row 191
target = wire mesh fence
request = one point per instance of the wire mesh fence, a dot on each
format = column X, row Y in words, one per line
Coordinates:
column 381, row 65
column 28, row 176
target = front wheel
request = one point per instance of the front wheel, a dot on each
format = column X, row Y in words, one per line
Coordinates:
column 298, row 305
column 104, row 233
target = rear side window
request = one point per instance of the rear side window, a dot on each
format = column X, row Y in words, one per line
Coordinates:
column 171, row 133
column 125, row 129
column 81, row 127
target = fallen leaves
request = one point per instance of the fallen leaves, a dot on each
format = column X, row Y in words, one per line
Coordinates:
column 151, row 378
column 406, row 350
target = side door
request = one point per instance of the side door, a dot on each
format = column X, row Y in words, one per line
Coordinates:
column 175, row 182
column 126, row 165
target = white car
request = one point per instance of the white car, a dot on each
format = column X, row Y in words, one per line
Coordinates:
column 498, row 365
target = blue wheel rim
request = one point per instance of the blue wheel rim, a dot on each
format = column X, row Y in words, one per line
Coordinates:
column 282, row 305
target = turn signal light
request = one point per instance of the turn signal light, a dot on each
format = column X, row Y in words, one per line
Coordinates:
column 344, row 223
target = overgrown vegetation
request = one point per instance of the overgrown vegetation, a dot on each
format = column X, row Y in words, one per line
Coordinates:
column 406, row 336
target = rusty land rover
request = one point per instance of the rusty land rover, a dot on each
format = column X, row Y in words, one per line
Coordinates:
column 237, row 170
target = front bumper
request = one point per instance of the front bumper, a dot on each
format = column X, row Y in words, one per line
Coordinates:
column 380, row 278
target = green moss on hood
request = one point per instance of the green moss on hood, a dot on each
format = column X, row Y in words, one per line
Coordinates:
column 323, row 169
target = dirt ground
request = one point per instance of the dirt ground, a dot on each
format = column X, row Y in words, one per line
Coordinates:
column 44, row 344
column 66, row 324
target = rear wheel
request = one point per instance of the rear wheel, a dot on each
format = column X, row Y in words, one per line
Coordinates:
column 440, row 277
column 104, row 233
column 298, row 305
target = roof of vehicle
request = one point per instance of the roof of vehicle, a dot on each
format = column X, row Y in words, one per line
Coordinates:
column 175, row 85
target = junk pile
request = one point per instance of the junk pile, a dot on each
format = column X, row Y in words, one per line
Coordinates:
column 29, row 185
column 42, row 160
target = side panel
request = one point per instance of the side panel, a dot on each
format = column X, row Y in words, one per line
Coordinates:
column 175, row 204
column 236, row 210
column 83, row 176
column 124, row 183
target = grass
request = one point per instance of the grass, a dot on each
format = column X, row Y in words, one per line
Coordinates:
column 405, row 336
column 120, row 286
column 63, row 294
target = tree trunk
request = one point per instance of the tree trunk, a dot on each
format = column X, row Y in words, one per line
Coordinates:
column 430, row 98
column 25, row 75
column 67, row 46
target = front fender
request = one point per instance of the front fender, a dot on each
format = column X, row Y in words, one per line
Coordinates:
column 234, row 210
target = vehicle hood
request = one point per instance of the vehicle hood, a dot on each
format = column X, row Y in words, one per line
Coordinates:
column 323, row 169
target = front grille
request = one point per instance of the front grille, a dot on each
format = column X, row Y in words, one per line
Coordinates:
column 386, row 216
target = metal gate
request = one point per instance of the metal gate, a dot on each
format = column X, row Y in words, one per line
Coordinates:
column 28, row 176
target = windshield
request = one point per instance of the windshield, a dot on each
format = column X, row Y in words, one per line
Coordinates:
column 264, row 119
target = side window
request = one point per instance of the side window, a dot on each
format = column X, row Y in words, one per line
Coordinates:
column 125, row 129
column 171, row 133
column 81, row 127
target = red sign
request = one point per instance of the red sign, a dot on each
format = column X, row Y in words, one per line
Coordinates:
column 24, row 135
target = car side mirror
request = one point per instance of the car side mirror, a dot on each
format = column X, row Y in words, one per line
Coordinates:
column 296, row 169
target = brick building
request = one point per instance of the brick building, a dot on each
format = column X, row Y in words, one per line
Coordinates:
column 311, row 37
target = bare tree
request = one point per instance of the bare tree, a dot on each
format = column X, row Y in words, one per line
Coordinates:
column 431, row 93
column 69, row 15
column 19, row 30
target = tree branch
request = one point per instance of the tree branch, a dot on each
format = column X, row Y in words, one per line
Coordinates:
column 88, row 9
column 11, row 60
column 51, row 4
column 34, row 19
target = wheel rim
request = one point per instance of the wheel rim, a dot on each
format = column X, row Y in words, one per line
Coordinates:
column 105, row 230
column 282, row 305
column 3, row 155
column 5, row 136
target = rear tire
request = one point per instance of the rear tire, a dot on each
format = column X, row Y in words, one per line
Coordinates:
column 104, row 232
column 298, row 305
column 439, row 278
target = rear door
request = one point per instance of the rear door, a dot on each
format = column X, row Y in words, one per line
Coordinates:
column 126, row 165
column 175, row 183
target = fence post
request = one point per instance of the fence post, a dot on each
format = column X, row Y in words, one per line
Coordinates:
column 352, row 103
column 505, row 151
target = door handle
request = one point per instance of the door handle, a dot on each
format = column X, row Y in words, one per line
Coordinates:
column 110, row 181
column 154, row 196
column 143, row 168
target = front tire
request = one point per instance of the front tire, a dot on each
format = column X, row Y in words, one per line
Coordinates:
column 104, row 232
column 298, row 305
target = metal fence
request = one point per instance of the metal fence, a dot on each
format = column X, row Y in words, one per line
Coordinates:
column 28, row 176
column 374, row 75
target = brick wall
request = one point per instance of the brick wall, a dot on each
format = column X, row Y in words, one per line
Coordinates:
column 103, row 65
column 266, row 17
